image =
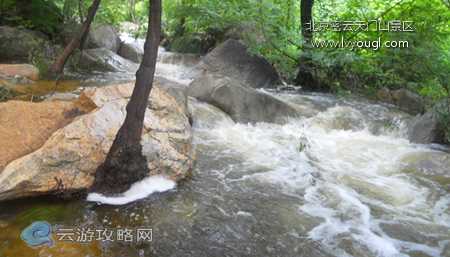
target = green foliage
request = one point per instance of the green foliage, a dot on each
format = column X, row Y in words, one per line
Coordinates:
column 39, row 15
column 140, row 32
column 38, row 56
column 368, row 70
column 392, row 124
column 115, row 12
column 6, row 92
column 303, row 143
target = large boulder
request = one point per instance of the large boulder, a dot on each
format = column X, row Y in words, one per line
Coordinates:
column 232, row 60
column 403, row 98
column 16, row 44
column 102, row 59
column 25, row 126
column 103, row 35
column 72, row 154
column 241, row 102
column 22, row 70
column 131, row 52
column 427, row 129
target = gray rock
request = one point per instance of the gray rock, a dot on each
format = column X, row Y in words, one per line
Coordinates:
column 385, row 95
column 103, row 59
column 232, row 60
column 404, row 232
column 408, row 100
column 131, row 52
column 241, row 102
column 103, row 36
column 426, row 129
column 403, row 98
column 16, row 44
column 437, row 164
column 176, row 90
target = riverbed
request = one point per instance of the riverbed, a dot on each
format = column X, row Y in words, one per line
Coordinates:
column 337, row 182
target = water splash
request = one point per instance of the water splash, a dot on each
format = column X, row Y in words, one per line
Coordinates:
column 138, row 190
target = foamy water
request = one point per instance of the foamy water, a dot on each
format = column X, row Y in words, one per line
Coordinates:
column 350, row 178
column 137, row 191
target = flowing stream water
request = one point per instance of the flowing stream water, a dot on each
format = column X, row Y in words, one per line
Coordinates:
column 337, row 182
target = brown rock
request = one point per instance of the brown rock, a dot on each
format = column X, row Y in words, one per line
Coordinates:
column 23, row 70
column 73, row 153
column 25, row 126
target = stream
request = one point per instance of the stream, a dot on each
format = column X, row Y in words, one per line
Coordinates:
column 337, row 182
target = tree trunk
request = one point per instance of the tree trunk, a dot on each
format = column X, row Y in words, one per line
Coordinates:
column 58, row 66
column 133, row 17
column 306, row 17
column 305, row 77
column 125, row 164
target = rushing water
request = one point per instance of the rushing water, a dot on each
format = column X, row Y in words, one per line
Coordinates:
column 337, row 182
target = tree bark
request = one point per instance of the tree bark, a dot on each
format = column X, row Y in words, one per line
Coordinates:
column 305, row 17
column 305, row 77
column 133, row 17
column 125, row 163
column 58, row 65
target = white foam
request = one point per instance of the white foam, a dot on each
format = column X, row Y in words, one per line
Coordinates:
column 244, row 213
column 138, row 190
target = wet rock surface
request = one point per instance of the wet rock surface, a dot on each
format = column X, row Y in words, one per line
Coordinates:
column 241, row 102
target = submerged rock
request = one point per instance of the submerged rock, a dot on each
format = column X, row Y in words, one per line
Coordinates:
column 103, row 35
column 72, row 154
column 435, row 165
column 102, row 59
column 22, row 70
column 241, row 102
column 232, row 60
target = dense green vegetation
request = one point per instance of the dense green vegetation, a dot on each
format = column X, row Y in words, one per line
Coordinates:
column 273, row 30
